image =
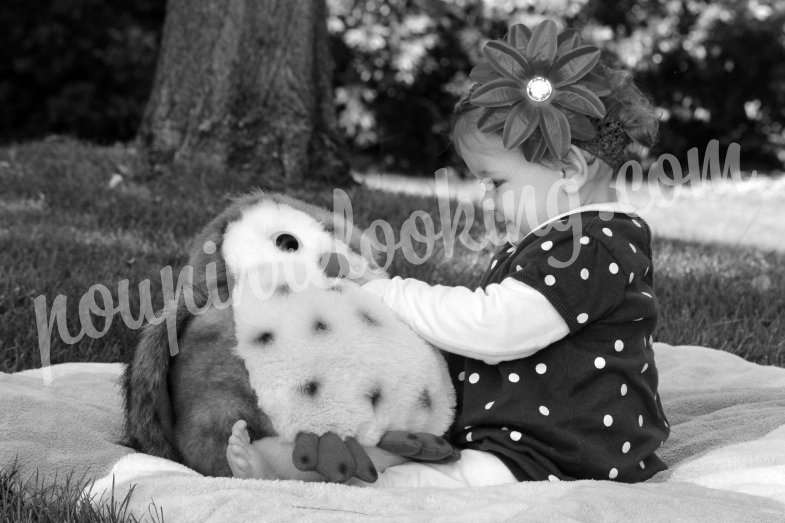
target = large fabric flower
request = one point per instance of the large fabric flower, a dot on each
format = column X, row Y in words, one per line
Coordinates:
column 540, row 88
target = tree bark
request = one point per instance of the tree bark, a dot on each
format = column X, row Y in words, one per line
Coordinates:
column 246, row 85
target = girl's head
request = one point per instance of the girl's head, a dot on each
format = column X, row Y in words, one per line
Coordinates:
column 530, row 183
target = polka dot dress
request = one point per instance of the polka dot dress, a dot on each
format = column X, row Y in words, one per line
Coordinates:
column 586, row 407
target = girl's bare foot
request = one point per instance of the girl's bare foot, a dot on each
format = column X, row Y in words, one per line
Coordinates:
column 244, row 459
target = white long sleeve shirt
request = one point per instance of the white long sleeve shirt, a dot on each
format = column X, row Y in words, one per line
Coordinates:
column 502, row 322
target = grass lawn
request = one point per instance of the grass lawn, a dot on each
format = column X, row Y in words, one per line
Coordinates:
column 30, row 500
column 64, row 227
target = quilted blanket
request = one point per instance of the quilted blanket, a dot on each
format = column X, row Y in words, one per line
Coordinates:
column 726, row 458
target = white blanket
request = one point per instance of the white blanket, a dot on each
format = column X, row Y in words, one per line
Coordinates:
column 726, row 456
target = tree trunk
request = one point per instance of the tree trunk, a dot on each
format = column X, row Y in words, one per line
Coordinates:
column 246, row 85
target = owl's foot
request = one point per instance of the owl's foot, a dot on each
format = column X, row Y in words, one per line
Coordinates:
column 245, row 460
column 419, row 446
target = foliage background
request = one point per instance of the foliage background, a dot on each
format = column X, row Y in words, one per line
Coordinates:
column 716, row 69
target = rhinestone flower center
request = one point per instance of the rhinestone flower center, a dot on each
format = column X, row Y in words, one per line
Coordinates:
column 539, row 89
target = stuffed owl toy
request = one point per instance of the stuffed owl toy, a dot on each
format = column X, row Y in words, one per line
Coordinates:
column 337, row 359
column 274, row 329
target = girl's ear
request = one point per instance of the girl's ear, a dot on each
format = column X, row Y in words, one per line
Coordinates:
column 575, row 170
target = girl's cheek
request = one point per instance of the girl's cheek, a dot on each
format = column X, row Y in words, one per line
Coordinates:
column 520, row 207
column 500, row 214
column 498, row 202
column 508, row 201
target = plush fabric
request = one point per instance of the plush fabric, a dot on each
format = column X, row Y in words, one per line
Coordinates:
column 726, row 456
column 339, row 359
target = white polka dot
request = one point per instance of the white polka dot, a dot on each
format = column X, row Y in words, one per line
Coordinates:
column 645, row 366
column 468, row 436
column 582, row 317
column 474, row 378
column 640, row 420
column 546, row 246
column 505, row 428
column 584, row 274
column 489, row 405
column 550, row 280
column 607, row 232
column 599, row 362
column 518, row 268
column 513, row 377
column 638, row 319
column 623, row 389
column 613, row 268
column 544, row 410
column 607, row 420
column 515, row 435
column 462, row 375
column 633, row 248
column 493, row 263
column 636, row 222
column 551, row 477
column 647, row 294
column 541, row 368
column 625, row 448
column 584, row 240
column 613, row 473
column 511, row 250
column 467, row 427
column 618, row 345
column 641, row 465
column 632, row 276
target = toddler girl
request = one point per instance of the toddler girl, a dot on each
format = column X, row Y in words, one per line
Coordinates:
column 551, row 355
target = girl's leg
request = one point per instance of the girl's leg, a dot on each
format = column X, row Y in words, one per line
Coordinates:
column 474, row 469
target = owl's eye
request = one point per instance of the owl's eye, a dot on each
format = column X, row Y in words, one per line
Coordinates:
column 286, row 242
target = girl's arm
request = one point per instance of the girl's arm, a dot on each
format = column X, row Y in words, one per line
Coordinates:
column 504, row 321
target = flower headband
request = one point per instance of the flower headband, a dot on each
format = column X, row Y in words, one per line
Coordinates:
column 542, row 90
